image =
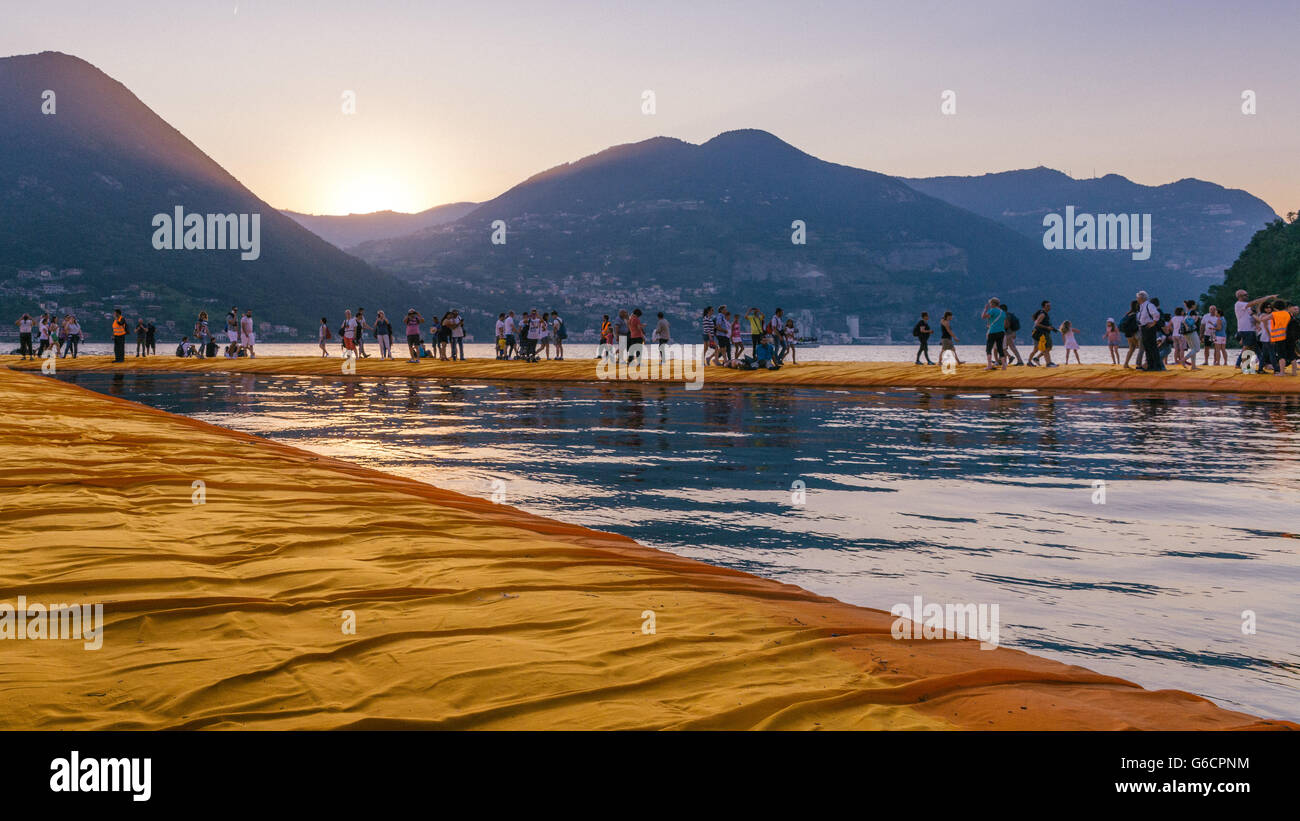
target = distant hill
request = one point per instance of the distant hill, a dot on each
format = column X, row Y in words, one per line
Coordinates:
column 79, row 189
column 354, row 229
column 1198, row 228
column 668, row 225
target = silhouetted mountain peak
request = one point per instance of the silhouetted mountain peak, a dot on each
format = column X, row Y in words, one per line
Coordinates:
column 751, row 140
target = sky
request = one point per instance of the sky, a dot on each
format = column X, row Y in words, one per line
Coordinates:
column 460, row 101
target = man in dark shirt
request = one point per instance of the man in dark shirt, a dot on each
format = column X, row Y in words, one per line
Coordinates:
column 1043, row 330
column 921, row 330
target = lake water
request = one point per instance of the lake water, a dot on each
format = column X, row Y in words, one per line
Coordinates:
column 959, row 498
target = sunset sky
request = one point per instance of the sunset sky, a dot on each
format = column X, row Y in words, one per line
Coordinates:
column 459, row 101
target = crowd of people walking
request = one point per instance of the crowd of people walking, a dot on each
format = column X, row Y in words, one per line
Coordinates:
column 63, row 335
column 1149, row 338
column 1146, row 337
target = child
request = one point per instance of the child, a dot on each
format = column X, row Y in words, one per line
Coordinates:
column 322, row 336
column 1113, row 338
column 1071, row 344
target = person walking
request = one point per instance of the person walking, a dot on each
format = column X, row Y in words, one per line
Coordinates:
column 707, row 322
column 43, row 334
column 362, row 327
column 997, row 331
column 413, row 322
column 323, row 335
column 1129, row 327
column 1013, row 327
column 246, row 336
column 947, row 339
column 1149, row 321
column 660, row 336
column 1043, row 330
column 922, row 331
column 60, row 335
column 201, row 334
column 384, row 335
column 74, row 336
column 559, row 333
column 348, row 333
column 636, row 337
column 457, row 335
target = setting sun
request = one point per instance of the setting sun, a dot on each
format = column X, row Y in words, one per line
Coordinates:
column 366, row 193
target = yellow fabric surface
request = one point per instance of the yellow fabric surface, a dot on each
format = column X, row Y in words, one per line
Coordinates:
column 820, row 374
column 228, row 614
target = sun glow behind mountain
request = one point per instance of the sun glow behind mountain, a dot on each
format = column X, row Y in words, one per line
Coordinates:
column 364, row 193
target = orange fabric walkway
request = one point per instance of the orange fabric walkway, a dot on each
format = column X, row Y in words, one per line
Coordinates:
column 816, row 374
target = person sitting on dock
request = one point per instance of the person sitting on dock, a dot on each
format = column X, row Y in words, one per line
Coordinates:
column 764, row 357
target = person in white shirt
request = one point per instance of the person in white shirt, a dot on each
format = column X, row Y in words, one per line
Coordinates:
column 1148, row 323
column 1247, row 326
column 457, row 335
column 25, row 325
column 1176, row 333
column 1210, row 325
column 246, row 339
column 512, row 348
column 348, row 332
column 43, row 330
column 536, row 331
column 74, row 337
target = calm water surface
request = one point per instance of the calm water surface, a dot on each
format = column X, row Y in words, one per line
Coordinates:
column 979, row 498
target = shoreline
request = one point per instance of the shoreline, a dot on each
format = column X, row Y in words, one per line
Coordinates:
column 469, row 614
column 1211, row 379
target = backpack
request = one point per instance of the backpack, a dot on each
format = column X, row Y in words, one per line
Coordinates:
column 1189, row 326
column 1013, row 322
column 561, row 333
column 1128, row 325
column 916, row 330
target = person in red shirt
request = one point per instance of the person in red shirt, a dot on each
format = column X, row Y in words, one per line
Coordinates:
column 635, row 336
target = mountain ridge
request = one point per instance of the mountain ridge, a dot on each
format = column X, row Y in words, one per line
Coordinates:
column 722, row 212
column 79, row 189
